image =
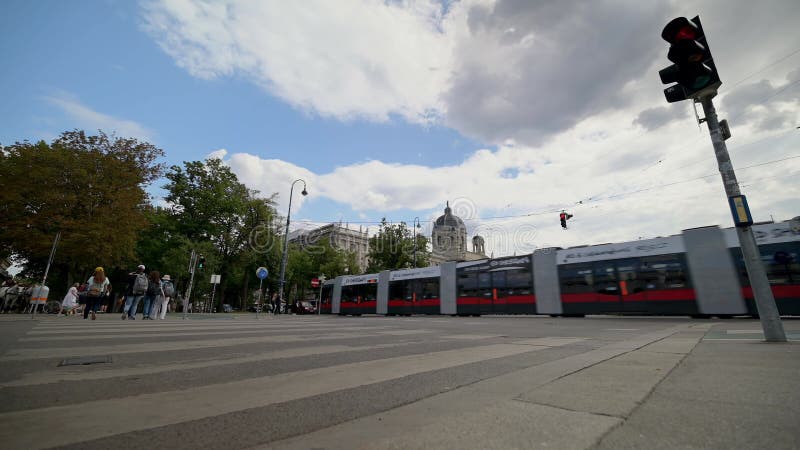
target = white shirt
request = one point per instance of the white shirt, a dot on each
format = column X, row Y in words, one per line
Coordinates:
column 71, row 298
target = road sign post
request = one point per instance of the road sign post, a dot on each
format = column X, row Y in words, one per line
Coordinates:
column 262, row 274
column 214, row 282
column 321, row 282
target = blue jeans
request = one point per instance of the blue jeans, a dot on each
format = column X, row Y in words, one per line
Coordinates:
column 148, row 303
column 131, row 303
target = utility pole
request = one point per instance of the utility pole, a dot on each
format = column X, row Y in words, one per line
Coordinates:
column 765, row 301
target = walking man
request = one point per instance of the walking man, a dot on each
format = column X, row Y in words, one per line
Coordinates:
column 137, row 287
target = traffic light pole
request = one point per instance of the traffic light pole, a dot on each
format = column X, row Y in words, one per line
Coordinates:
column 765, row 302
column 192, row 267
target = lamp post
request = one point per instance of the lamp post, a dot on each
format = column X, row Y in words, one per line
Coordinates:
column 286, row 243
column 415, row 226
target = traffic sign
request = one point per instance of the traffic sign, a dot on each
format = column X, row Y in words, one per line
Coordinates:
column 314, row 282
column 262, row 272
column 215, row 279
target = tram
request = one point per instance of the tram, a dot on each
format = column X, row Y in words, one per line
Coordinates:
column 699, row 272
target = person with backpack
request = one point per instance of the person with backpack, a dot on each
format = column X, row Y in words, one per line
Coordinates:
column 97, row 288
column 152, row 293
column 137, row 287
column 168, row 290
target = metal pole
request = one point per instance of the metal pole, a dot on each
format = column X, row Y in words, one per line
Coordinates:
column 414, row 226
column 260, row 297
column 765, row 302
column 286, row 245
column 192, row 263
column 213, row 291
column 34, row 306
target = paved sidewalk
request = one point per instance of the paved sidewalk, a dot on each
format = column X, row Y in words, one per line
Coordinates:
column 674, row 390
column 732, row 391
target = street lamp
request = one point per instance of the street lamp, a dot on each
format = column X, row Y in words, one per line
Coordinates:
column 286, row 243
column 415, row 226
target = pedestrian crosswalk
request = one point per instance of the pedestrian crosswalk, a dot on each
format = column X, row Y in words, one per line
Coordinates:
column 238, row 383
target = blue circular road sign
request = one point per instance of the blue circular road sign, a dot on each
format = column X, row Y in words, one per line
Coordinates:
column 262, row 272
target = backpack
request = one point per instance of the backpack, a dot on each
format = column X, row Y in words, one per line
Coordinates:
column 169, row 289
column 140, row 284
column 153, row 288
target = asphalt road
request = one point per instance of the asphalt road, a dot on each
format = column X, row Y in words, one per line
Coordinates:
column 232, row 381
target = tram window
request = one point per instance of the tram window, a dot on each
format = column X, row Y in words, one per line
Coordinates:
column 664, row 272
column 468, row 284
column 499, row 280
column 781, row 262
column 397, row 290
column 348, row 294
column 520, row 278
column 485, row 280
column 605, row 278
column 485, row 284
column 369, row 292
column 430, row 288
column 576, row 278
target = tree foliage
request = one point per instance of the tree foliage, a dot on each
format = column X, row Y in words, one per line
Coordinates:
column 393, row 248
column 90, row 188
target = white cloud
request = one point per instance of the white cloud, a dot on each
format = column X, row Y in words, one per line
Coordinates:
column 217, row 154
column 348, row 59
column 568, row 91
column 87, row 118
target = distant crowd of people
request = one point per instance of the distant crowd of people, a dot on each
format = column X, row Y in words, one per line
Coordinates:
column 152, row 290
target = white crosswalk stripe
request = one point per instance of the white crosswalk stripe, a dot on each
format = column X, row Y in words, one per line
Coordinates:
column 304, row 358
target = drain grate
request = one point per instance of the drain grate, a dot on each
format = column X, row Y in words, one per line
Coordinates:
column 85, row 360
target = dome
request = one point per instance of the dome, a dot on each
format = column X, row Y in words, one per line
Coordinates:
column 448, row 219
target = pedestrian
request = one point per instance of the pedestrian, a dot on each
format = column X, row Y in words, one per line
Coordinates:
column 168, row 290
column 137, row 287
column 97, row 287
column 70, row 301
column 153, row 291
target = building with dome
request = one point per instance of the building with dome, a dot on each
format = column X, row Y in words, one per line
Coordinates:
column 449, row 240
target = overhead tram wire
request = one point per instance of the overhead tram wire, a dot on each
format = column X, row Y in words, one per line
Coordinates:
column 595, row 202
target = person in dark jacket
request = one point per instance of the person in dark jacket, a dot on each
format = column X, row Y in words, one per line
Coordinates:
column 133, row 295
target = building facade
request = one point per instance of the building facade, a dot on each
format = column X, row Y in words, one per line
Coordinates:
column 341, row 237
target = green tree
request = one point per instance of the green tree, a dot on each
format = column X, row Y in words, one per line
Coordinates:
column 90, row 188
column 209, row 204
column 313, row 260
column 393, row 248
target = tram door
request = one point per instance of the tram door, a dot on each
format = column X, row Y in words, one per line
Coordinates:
column 631, row 286
column 618, row 287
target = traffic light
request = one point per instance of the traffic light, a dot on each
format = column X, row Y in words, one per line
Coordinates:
column 564, row 216
column 202, row 262
column 693, row 69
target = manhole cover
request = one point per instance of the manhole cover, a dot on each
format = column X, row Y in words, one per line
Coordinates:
column 85, row 360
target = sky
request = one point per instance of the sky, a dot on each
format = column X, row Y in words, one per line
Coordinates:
column 511, row 110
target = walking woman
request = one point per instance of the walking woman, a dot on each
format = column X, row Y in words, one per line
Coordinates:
column 153, row 291
column 96, row 289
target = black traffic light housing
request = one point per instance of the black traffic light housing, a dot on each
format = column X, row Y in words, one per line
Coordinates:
column 202, row 262
column 693, row 69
